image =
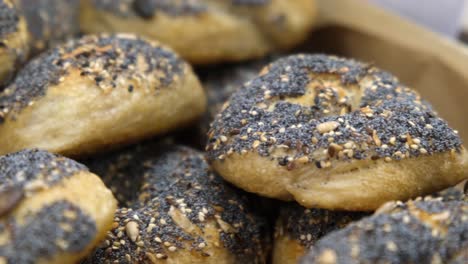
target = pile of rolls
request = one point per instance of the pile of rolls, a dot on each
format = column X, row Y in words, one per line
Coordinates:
column 195, row 131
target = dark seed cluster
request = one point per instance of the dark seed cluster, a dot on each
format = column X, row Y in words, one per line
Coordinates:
column 160, row 183
column 29, row 171
column 58, row 228
column 221, row 83
column 106, row 60
column 175, row 8
column 309, row 225
column 250, row 2
column 320, row 109
column 50, row 21
column 9, row 19
column 149, row 8
column 430, row 230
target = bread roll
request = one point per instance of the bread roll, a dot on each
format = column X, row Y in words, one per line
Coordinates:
column 52, row 209
column 429, row 230
column 174, row 209
column 333, row 133
column 97, row 92
column 205, row 31
column 298, row 229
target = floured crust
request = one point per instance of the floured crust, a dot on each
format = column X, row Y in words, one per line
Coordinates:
column 60, row 213
column 206, row 31
column 95, row 92
column 335, row 134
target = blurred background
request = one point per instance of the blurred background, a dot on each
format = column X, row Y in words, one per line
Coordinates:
column 447, row 17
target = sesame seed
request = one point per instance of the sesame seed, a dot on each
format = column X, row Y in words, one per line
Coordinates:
column 132, row 230
column 172, row 248
column 140, row 243
column 327, row 256
column 255, row 144
column 150, row 228
column 406, row 219
column 392, row 246
column 327, row 126
column 160, row 256
column 349, row 145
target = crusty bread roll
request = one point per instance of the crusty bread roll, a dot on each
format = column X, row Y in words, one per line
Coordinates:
column 298, row 228
column 175, row 210
column 333, row 133
column 52, row 209
column 429, row 230
column 96, row 92
column 205, row 31
column 14, row 39
column 50, row 21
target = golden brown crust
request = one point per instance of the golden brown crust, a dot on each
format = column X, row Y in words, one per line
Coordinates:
column 13, row 40
column 287, row 250
column 206, row 31
column 60, row 210
column 96, row 92
column 175, row 210
column 333, row 133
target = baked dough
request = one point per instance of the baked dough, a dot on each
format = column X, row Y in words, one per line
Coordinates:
column 298, row 228
column 333, row 133
column 206, row 31
column 429, row 230
column 174, row 209
column 98, row 92
column 52, row 209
